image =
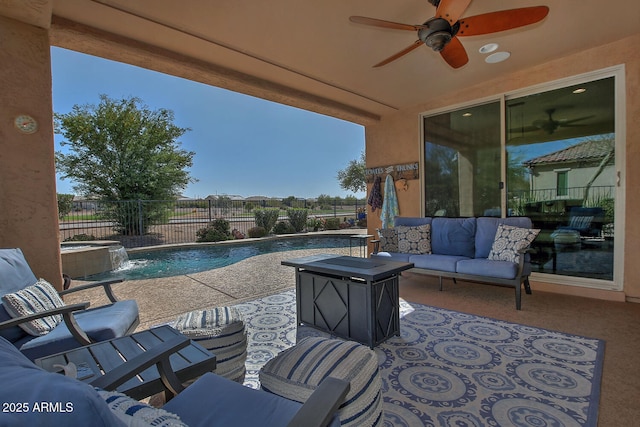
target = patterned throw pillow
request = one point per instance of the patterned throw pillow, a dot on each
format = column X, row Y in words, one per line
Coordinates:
column 137, row 414
column 414, row 240
column 509, row 240
column 34, row 299
column 297, row 371
column 388, row 240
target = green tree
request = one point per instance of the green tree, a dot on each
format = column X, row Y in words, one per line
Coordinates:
column 325, row 201
column 122, row 150
column 352, row 177
column 65, row 204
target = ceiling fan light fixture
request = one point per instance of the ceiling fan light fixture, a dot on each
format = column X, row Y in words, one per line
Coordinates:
column 488, row 48
column 438, row 40
column 497, row 57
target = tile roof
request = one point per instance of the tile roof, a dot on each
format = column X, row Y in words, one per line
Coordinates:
column 592, row 149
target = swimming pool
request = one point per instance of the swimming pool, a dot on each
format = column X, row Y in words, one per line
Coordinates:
column 186, row 260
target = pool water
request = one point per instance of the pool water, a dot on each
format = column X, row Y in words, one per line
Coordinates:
column 177, row 261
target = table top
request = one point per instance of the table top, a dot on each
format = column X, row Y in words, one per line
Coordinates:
column 365, row 268
column 96, row 359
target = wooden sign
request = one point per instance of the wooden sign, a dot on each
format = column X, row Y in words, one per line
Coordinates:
column 404, row 171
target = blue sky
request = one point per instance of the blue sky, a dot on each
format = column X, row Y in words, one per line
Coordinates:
column 244, row 145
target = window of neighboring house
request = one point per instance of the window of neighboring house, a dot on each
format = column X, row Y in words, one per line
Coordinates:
column 562, row 186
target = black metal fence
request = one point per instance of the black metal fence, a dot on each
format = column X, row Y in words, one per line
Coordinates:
column 156, row 222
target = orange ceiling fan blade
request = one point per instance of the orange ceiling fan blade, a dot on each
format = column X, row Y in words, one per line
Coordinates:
column 452, row 10
column 399, row 54
column 494, row 22
column 454, row 53
column 384, row 24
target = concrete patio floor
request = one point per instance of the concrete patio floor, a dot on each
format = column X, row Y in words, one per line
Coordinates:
column 161, row 300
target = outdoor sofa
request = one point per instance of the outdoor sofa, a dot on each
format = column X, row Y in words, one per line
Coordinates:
column 463, row 248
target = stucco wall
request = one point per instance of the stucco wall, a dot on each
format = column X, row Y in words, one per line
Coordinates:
column 28, row 218
column 396, row 139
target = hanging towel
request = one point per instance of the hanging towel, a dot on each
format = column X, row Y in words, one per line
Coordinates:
column 375, row 198
column 390, row 204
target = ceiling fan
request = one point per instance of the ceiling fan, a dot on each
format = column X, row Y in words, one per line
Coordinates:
column 442, row 31
column 550, row 125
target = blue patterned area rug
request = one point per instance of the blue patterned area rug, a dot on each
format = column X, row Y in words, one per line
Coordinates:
column 458, row 370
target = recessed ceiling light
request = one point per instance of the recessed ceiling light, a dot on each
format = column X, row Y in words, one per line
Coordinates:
column 580, row 90
column 488, row 48
column 467, row 114
column 497, row 57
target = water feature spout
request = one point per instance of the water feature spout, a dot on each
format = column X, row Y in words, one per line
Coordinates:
column 119, row 257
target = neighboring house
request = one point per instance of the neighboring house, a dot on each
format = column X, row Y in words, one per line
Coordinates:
column 567, row 173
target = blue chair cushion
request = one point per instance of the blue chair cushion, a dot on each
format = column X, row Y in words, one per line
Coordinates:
column 27, row 387
column 217, row 401
column 100, row 324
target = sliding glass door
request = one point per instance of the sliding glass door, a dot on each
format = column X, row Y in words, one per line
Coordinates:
column 462, row 162
column 545, row 154
column 562, row 175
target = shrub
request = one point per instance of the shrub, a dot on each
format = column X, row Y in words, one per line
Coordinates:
column 283, row 227
column 80, row 238
column 344, row 225
column 332, row 223
column 266, row 218
column 217, row 230
column 298, row 218
column 314, row 224
column 256, row 232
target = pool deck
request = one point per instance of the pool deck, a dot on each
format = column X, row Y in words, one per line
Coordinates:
column 161, row 300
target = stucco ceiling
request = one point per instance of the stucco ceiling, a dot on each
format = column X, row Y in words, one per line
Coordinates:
column 310, row 48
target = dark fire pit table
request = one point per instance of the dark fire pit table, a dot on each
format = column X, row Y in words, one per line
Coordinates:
column 353, row 298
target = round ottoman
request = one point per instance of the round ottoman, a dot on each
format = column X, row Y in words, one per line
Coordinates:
column 566, row 240
column 297, row 371
column 220, row 330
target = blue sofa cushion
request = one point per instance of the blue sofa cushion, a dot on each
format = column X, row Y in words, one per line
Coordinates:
column 488, row 268
column 16, row 274
column 436, row 262
column 68, row 402
column 486, row 232
column 453, row 236
column 100, row 323
column 234, row 405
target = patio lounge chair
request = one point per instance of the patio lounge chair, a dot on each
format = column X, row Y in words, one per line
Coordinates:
column 81, row 326
column 587, row 222
column 211, row 400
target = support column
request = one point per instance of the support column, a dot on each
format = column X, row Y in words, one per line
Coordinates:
column 28, row 204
